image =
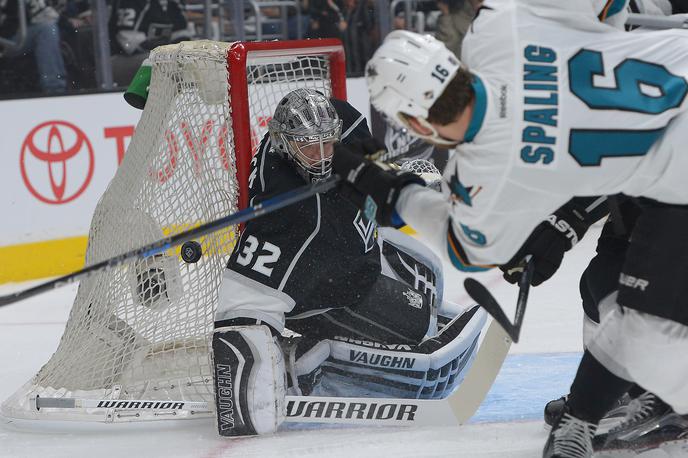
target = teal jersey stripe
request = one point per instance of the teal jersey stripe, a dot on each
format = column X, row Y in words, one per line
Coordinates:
column 479, row 110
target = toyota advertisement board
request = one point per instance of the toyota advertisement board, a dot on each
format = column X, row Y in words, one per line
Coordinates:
column 58, row 156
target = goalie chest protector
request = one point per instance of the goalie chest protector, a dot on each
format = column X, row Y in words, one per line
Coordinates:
column 321, row 251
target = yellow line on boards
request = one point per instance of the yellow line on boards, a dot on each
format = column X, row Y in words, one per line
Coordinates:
column 48, row 258
column 51, row 258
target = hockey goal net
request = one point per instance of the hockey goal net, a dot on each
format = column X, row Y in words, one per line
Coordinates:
column 141, row 331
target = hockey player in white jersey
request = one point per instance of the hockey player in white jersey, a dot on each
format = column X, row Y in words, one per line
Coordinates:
column 367, row 307
column 639, row 419
column 550, row 104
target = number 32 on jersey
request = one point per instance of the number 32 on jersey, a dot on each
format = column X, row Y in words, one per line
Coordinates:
column 261, row 262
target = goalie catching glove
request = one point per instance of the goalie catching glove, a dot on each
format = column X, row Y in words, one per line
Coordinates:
column 372, row 186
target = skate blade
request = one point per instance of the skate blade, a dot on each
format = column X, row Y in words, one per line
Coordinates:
column 606, row 425
column 668, row 449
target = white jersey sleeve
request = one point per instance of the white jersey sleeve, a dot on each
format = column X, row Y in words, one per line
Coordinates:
column 565, row 106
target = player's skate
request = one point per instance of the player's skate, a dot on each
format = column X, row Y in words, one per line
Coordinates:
column 570, row 437
column 650, row 423
column 553, row 410
column 612, row 419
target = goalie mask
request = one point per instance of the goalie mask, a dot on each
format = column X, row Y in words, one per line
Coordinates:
column 304, row 129
column 405, row 77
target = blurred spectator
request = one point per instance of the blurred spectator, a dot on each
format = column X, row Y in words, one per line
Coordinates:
column 76, row 30
column 359, row 39
column 420, row 12
column 137, row 26
column 454, row 21
column 42, row 41
column 305, row 21
column 327, row 19
column 272, row 20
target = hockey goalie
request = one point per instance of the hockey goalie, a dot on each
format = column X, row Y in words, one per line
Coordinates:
column 362, row 306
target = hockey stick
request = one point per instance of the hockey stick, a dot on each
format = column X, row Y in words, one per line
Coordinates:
column 268, row 206
column 300, row 409
column 454, row 410
column 482, row 296
column 242, row 216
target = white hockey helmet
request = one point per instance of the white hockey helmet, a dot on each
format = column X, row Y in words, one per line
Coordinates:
column 406, row 75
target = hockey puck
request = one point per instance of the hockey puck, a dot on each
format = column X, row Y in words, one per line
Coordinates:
column 191, row 252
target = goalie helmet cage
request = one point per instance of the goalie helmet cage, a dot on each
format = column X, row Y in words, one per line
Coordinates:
column 142, row 330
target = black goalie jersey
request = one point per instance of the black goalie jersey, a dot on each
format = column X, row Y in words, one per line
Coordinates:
column 316, row 255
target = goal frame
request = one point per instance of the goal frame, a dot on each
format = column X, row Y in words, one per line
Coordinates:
column 239, row 55
column 126, row 327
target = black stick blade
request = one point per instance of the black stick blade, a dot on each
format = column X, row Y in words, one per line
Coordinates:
column 482, row 296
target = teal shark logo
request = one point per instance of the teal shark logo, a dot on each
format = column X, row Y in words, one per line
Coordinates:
column 463, row 194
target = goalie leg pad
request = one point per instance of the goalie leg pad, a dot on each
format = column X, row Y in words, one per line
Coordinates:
column 249, row 380
column 432, row 369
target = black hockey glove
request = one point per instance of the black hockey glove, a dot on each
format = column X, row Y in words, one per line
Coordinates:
column 548, row 242
column 373, row 187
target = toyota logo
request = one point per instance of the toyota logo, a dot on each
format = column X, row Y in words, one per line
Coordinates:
column 56, row 162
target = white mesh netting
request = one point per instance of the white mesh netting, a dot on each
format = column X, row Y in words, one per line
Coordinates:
column 141, row 330
column 426, row 170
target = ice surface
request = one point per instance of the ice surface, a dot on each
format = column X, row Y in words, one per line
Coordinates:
column 508, row 425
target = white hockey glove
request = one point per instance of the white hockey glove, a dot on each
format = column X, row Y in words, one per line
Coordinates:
column 249, row 380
